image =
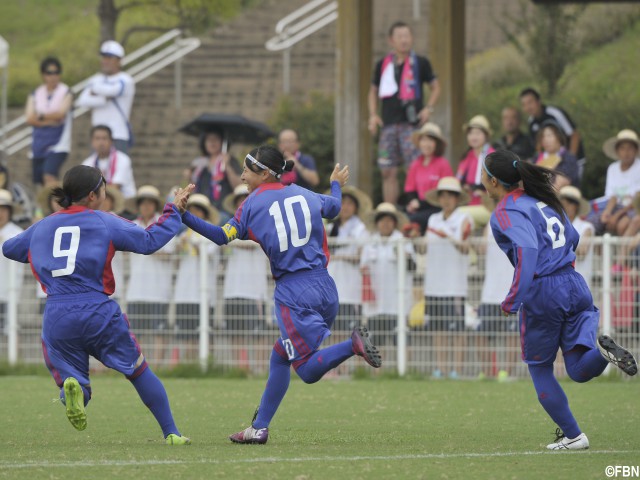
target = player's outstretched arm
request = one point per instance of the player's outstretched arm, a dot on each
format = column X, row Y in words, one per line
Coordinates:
column 218, row 235
column 340, row 175
column 17, row 248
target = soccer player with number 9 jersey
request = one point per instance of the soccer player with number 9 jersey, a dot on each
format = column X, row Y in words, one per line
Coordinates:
column 70, row 253
column 553, row 301
column 286, row 221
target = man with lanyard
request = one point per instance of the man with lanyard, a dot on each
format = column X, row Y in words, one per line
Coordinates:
column 304, row 171
column 114, row 164
column 397, row 82
column 109, row 95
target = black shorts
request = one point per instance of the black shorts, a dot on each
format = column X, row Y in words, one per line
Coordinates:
column 243, row 315
column 444, row 314
column 492, row 320
column 147, row 316
column 188, row 320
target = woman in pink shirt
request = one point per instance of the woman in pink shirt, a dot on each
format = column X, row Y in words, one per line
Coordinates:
column 425, row 172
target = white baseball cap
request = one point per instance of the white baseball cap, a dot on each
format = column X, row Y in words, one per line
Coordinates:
column 112, row 48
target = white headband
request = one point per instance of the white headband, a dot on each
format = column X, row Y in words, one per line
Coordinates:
column 262, row 166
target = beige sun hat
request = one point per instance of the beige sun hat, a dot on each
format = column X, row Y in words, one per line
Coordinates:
column 429, row 129
column 149, row 192
column 116, row 197
column 229, row 202
column 479, row 121
column 610, row 145
column 572, row 193
column 44, row 196
column 448, row 184
column 202, row 201
column 365, row 205
column 6, row 200
column 386, row 208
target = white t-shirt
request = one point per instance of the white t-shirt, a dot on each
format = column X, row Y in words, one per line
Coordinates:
column 150, row 278
column 110, row 98
column 344, row 264
column 117, row 170
column 622, row 184
column 187, row 287
column 446, row 273
column 245, row 275
column 380, row 256
column 584, row 266
column 10, row 230
column 498, row 272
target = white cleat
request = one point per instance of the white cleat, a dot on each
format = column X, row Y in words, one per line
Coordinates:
column 581, row 442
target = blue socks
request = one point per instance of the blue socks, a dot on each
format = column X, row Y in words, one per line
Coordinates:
column 324, row 360
column 310, row 372
column 553, row 399
column 154, row 396
column 583, row 365
column 277, row 386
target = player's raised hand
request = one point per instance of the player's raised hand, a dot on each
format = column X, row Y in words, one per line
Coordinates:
column 341, row 175
column 182, row 195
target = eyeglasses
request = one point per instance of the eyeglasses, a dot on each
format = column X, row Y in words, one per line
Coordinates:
column 51, row 72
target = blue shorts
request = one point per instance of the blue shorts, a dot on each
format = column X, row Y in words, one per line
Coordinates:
column 560, row 314
column 306, row 304
column 76, row 326
column 49, row 164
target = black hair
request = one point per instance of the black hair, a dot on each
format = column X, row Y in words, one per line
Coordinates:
column 530, row 91
column 557, row 129
column 50, row 61
column 202, row 140
column 385, row 214
column 77, row 183
column 103, row 128
column 507, row 168
column 270, row 157
column 398, row 24
column 355, row 200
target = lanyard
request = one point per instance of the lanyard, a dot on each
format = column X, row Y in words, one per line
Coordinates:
column 113, row 161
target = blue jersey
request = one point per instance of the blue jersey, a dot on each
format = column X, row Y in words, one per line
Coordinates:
column 70, row 252
column 536, row 239
column 285, row 220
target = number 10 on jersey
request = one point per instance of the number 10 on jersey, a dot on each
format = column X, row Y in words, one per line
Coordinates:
column 276, row 212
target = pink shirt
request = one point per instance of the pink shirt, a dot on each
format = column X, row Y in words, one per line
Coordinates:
column 421, row 179
column 470, row 171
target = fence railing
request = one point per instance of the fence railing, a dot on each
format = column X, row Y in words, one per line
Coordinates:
column 215, row 307
column 16, row 135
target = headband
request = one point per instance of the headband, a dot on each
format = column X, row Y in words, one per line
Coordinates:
column 505, row 184
column 261, row 165
column 71, row 200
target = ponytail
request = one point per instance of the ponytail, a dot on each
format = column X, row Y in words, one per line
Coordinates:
column 60, row 197
column 78, row 182
column 509, row 170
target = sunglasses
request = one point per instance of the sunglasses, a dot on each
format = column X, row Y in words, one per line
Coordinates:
column 51, row 72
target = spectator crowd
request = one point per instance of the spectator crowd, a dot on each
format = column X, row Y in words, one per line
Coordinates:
column 443, row 210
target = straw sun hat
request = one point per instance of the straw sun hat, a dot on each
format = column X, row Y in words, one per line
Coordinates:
column 479, row 121
column 610, row 145
column 429, row 129
column 447, row 184
column 572, row 193
column 202, row 201
column 229, row 202
column 386, row 208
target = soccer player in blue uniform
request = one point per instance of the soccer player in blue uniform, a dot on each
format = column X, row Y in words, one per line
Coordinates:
column 286, row 221
column 553, row 301
column 70, row 254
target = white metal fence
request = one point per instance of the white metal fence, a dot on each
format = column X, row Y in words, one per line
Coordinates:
column 216, row 308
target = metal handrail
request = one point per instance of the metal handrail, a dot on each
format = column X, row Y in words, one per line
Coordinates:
column 147, row 67
column 289, row 33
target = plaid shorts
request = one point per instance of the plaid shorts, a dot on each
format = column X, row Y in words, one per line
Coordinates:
column 395, row 147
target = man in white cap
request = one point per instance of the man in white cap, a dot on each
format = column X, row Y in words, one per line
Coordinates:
column 109, row 94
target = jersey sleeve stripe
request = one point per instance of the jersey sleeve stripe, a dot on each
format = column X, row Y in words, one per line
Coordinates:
column 515, row 286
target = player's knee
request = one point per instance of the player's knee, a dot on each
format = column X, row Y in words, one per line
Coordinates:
column 576, row 374
column 306, row 375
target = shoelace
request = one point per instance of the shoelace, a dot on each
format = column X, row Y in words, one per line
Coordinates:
column 559, row 435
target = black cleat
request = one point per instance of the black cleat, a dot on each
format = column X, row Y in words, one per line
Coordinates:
column 364, row 347
column 620, row 357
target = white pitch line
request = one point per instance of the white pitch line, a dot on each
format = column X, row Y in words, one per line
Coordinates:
column 426, row 456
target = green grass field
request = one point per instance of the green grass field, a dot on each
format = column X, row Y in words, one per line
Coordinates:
column 377, row 428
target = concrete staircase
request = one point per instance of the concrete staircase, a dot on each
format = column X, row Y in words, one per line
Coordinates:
column 232, row 72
